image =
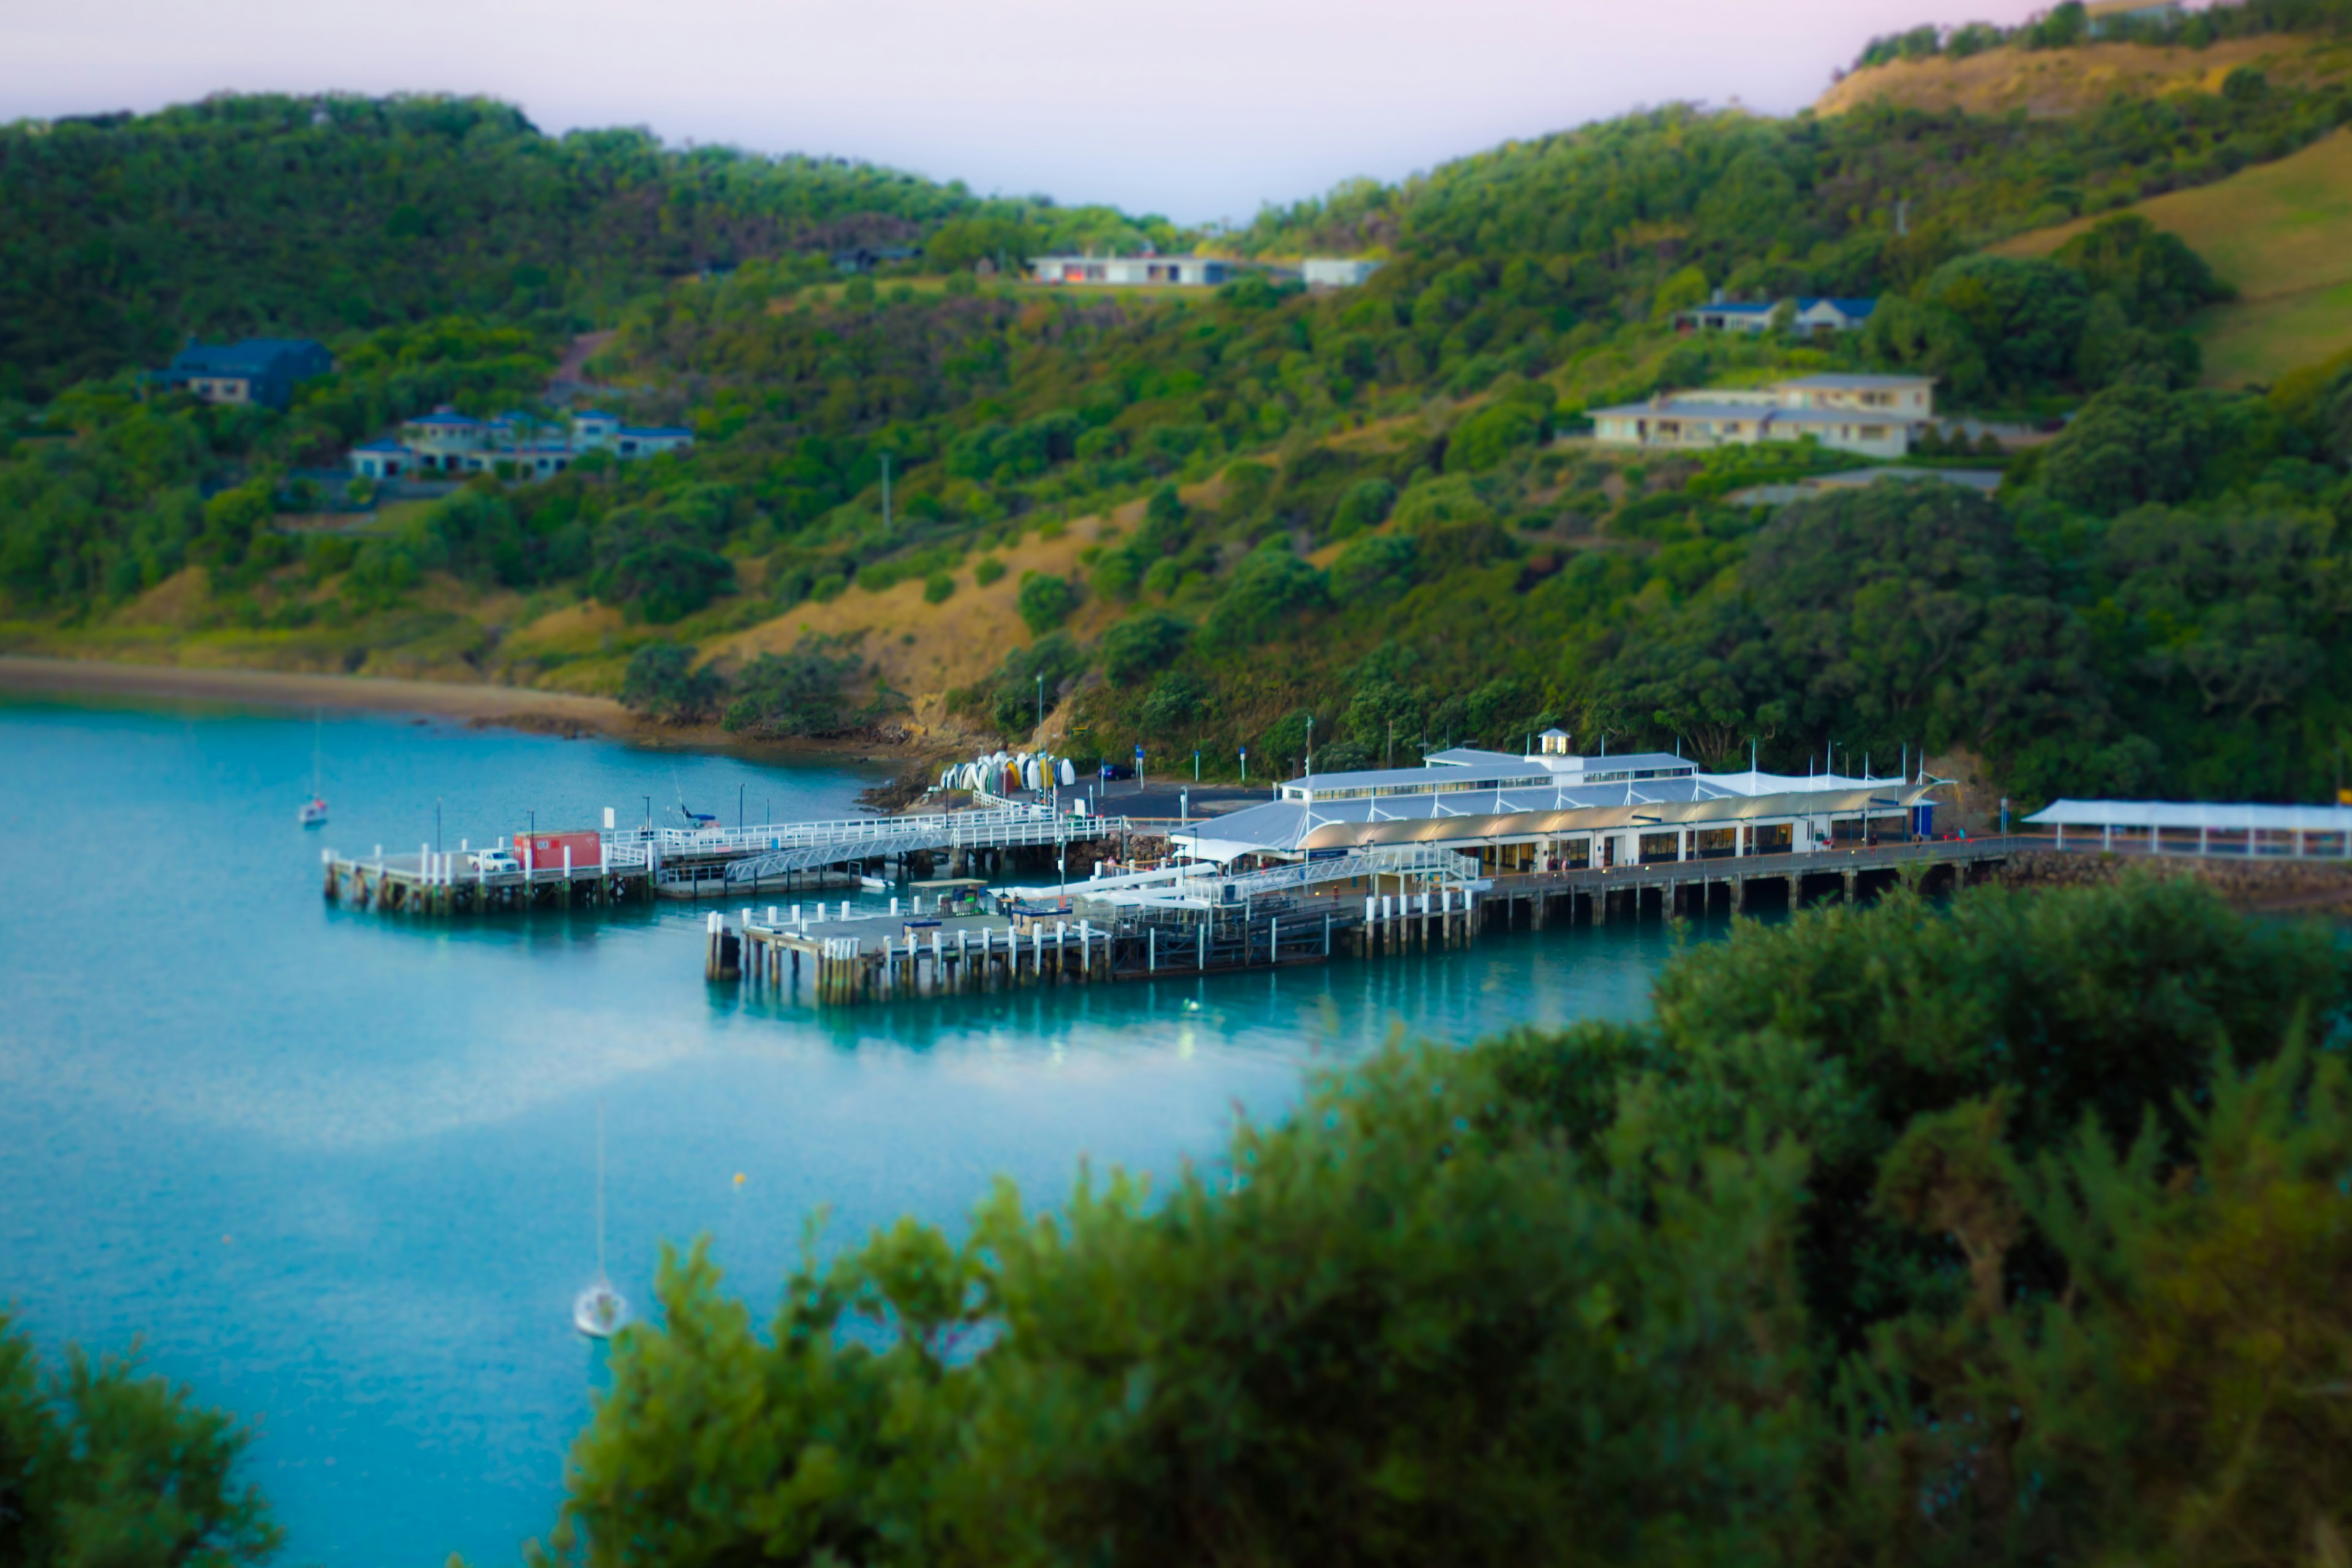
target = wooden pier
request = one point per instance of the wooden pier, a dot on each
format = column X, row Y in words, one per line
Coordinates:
column 443, row 883
column 859, row 956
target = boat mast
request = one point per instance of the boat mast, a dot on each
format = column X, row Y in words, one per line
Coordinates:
column 600, row 1192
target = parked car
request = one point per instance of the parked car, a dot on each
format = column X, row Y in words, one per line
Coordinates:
column 1116, row 771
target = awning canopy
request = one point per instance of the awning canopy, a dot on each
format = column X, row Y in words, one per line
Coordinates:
column 2212, row 817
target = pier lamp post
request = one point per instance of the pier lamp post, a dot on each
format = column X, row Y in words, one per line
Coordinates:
column 649, row 812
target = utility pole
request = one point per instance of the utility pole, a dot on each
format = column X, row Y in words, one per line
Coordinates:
column 1041, row 702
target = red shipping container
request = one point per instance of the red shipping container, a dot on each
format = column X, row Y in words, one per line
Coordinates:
column 544, row 851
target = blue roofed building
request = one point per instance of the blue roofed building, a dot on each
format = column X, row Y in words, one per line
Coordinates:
column 257, row 370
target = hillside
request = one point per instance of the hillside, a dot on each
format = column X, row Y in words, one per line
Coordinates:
column 2281, row 234
column 2078, row 81
column 1205, row 519
column 309, row 215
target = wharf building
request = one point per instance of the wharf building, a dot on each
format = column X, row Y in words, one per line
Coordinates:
column 1559, row 811
column 448, row 443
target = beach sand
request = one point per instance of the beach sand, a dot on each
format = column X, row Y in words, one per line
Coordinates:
column 551, row 711
column 513, row 707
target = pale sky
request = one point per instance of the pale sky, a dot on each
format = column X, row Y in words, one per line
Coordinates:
column 1196, row 108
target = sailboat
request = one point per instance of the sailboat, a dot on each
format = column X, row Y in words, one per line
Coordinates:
column 695, row 820
column 314, row 810
column 600, row 1312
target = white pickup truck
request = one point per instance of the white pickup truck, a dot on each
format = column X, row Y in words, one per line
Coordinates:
column 495, row 862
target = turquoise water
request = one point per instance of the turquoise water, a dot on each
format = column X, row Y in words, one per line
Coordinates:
column 336, row 1171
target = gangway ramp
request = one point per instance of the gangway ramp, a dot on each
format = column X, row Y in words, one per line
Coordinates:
column 784, row 847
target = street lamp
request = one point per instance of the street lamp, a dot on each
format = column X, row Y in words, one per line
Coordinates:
column 1245, row 766
column 1310, row 745
column 1040, row 701
column 649, row 812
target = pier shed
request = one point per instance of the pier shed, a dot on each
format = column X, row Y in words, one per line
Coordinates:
column 1558, row 810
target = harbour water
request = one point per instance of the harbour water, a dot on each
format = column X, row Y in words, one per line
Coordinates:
column 335, row 1170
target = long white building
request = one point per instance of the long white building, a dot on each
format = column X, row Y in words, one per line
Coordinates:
column 1876, row 415
column 1558, row 810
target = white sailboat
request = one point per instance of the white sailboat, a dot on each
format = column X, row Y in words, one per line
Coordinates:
column 314, row 810
column 600, row 1312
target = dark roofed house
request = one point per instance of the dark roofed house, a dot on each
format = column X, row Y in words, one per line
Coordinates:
column 866, row 257
column 258, row 370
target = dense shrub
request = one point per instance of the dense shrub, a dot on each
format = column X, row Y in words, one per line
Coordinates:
column 1812, row 1267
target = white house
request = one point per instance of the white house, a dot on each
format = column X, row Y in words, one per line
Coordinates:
column 1336, row 272
column 2103, row 15
column 1813, row 315
column 1874, row 415
column 1203, row 271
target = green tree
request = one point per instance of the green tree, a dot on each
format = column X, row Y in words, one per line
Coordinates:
column 100, row 1464
column 2130, row 445
column 1143, row 645
column 663, row 682
column 802, row 692
column 1044, row 601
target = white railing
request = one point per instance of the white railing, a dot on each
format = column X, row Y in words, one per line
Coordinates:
column 806, row 847
column 1429, row 866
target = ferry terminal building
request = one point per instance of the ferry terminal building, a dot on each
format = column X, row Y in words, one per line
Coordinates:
column 1556, row 810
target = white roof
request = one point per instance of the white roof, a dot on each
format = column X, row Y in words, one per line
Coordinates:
column 2146, row 813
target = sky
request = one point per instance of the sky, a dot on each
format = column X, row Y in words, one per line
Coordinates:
column 1197, row 110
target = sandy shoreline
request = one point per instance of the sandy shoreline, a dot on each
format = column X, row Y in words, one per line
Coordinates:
column 556, row 710
column 512, row 707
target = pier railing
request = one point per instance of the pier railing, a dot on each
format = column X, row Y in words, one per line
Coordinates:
column 806, row 847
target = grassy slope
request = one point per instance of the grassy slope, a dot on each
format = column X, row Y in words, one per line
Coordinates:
column 2070, row 81
column 2282, row 233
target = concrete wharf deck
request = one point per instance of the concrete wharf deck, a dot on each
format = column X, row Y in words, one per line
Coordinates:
column 861, row 956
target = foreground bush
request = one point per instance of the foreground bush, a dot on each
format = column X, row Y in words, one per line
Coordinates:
column 102, row 1467
column 2015, row 1232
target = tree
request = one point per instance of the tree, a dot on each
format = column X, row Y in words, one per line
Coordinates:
column 1268, row 586
column 2011, row 1232
column 663, row 682
column 802, row 692
column 1142, row 645
column 1044, row 601
column 100, row 1464
column 2130, row 445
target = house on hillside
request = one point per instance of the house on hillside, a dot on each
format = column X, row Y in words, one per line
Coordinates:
column 446, row 443
column 1336, row 272
column 1201, row 271
column 1815, row 315
column 256, row 370
column 1872, row 416
column 2104, row 16
column 866, row 257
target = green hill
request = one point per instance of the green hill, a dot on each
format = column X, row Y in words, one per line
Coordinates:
column 2281, row 234
column 1206, row 519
